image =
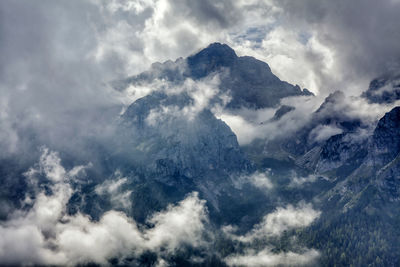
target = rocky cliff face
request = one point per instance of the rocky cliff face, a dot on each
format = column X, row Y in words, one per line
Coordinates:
column 385, row 150
column 249, row 81
column 347, row 151
column 374, row 177
column 325, row 140
column 175, row 140
column 175, row 149
column 386, row 137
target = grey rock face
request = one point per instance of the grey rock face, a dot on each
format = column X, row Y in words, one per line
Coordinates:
column 326, row 115
column 339, row 151
column 377, row 164
column 386, row 137
column 174, row 143
column 211, row 59
column 177, row 151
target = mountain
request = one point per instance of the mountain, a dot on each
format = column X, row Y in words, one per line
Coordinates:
column 328, row 188
column 364, row 202
column 355, row 164
column 167, row 149
column 321, row 144
column 249, row 82
column 349, row 169
column 169, row 138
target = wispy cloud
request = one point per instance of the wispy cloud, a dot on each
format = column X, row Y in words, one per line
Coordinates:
column 267, row 258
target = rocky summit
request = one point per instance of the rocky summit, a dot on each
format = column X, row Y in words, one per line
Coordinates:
column 249, row 82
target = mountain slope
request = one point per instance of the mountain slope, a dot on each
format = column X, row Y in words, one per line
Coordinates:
column 167, row 149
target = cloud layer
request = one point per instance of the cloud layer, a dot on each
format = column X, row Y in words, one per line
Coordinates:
column 43, row 232
column 47, row 234
column 274, row 225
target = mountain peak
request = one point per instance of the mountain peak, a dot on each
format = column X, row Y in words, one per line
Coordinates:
column 220, row 49
column 248, row 81
column 209, row 59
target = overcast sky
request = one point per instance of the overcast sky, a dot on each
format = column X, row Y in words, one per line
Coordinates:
column 319, row 44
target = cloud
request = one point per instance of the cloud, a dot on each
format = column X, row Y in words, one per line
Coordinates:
column 250, row 125
column 51, row 79
column 261, row 180
column 286, row 218
column 47, row 234
column 303, row 62
column 203, row 94
column 343, row 26
column 267, row 258
column 324, row 132
column 178, row 225
column 275, row 223
column 114, row 190
column 258, row 179
column 312, row 43
column 46, row 61
column 299, row 181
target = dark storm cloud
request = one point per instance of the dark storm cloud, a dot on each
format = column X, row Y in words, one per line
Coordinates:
column 363, row 34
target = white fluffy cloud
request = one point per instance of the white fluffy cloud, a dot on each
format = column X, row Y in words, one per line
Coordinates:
column 46, row 234
column 275, row 223
column 201, row 92
column 284, row 219
column 258, row 179
column 324, row 132
column 113, row 189
column 299, row 181
column 249, row 125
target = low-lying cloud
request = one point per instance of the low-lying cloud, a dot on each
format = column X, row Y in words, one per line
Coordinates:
column 258, row 179
column 43, row 232
column 267, row 258
column 47, row 234
column 250, row 125
column 274, row 225
column 115, row 191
